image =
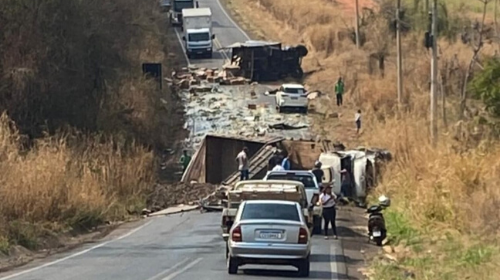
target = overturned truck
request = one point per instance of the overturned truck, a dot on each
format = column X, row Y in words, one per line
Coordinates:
column 267, row 61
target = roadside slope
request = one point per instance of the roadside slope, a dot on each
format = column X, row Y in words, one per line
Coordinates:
column 438, row 206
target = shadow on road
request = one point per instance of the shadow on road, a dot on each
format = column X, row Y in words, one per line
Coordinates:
column 294, row 274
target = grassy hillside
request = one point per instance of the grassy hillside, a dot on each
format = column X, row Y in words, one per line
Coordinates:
column 443, row 222
column 80, row 122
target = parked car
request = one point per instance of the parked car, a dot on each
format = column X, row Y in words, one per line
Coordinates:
column 269, row 232
column 262, row 190
column 292, row 96
column 307, row 178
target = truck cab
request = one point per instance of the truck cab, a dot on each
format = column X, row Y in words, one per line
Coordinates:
column 176, row 7
column 197, row 27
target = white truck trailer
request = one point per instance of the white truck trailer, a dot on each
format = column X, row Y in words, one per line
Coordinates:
column 197, row 27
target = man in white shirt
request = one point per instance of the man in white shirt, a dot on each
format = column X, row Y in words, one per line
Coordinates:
column 327, row 200
column 242, row 160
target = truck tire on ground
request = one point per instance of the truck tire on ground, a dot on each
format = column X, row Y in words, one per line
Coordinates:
column 316, row 225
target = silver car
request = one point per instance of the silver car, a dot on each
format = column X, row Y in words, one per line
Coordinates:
column 269, row 232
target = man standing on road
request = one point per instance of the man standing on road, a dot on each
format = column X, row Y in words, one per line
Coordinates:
column 339, row 91
column 286, row 161
column 318, row 172
column 184, row 160
column 242, row 160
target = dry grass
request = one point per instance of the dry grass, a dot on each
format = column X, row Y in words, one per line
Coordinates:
column 76, row 145
column 446, row 198
column 67, row 182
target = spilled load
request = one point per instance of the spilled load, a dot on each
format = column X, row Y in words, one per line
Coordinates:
column 266, row 61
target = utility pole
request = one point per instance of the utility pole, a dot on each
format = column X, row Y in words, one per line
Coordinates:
column 400, row 62
column 434, row 70
column 358, row 44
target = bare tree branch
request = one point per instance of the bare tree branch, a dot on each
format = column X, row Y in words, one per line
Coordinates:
column 476, row 49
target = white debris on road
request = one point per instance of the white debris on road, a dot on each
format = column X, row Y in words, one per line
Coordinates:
column 238, row 110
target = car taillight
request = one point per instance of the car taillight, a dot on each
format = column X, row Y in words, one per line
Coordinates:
column 303, row 236
column 236, row 235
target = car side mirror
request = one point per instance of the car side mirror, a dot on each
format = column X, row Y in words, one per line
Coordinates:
column 213, row 36
column 183, row 38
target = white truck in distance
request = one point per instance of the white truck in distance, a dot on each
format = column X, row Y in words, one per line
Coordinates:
column 198, row 37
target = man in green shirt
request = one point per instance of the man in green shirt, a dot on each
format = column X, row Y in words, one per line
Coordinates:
column 184, row 160
column 339, row 91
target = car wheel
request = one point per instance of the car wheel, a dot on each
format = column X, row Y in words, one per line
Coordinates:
column 316, row 225
column 304, row 267
column 227, row 250
column 232, row 265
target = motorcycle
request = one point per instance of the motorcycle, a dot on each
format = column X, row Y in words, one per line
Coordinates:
column 377, row 231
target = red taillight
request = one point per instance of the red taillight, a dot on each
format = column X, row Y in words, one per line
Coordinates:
column 236, row 235
column 303, row 236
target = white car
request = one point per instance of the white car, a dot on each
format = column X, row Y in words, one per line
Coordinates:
column 269, row 232
column 292, row 96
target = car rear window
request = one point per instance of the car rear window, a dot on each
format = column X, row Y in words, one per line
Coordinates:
column 270, row 211
column 294, row 90
column 308, row 181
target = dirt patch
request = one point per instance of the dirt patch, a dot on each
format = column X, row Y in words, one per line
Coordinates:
column 168, row 195
column 352, row 226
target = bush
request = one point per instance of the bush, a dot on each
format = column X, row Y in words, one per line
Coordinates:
column 486, row 86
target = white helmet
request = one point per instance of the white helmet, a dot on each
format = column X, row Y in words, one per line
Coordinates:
column 384, row 201
column 317, row 164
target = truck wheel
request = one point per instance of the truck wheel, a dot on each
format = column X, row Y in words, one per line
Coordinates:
column 232, row 265
column 316, row 225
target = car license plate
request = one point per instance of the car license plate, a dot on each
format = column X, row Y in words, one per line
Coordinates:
column 270, row 235
column 294, row 98
column 377, row 234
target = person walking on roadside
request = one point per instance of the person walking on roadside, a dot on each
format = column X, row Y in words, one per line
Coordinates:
column 286, row 161
column 339, row 91
column 242, row 160
column 357, row 120
column 184, row 160
column 327, row 200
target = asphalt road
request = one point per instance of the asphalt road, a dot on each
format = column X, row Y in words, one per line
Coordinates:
column 182, row 247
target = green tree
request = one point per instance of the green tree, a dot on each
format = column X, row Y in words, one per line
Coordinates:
column 486, row 86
